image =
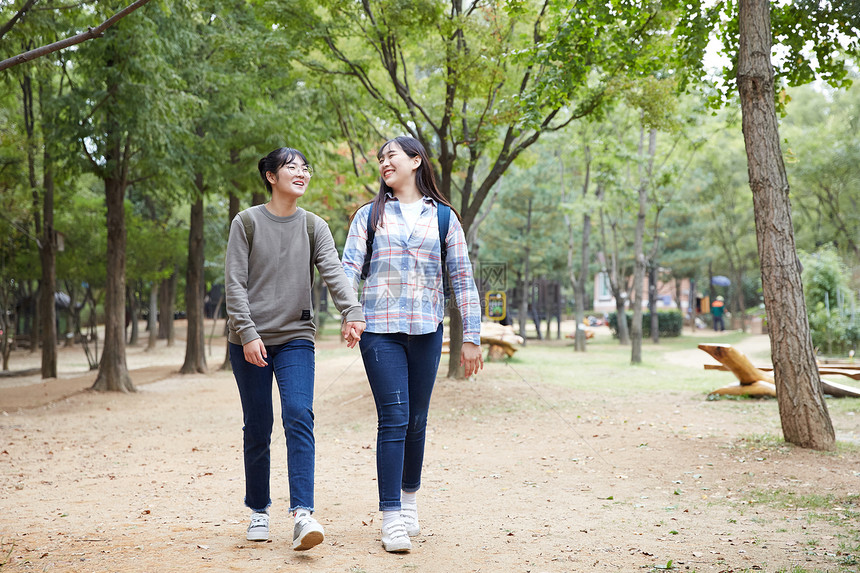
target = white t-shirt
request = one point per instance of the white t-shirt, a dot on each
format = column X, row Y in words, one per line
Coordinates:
column 411, row 213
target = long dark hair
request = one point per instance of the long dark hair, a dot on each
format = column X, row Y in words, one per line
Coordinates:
column 276, row 159
column 425, row 179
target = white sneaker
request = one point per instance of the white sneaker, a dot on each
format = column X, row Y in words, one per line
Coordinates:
column 307, row 533
column 409, row 515
column 258, row 529
column 394, row 537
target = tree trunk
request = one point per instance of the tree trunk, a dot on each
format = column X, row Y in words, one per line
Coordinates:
column 166, row 303
column 7, row 320
column 455, row 344
column 802, row 409
column 612, row 273
column 30, row 127
column 47, row 257
column 652, row 302
column 195, row 342
column 133, row 316
column 523, row 312
column 73, row 315
column 691, row 303
column 113, row 370
column 639, row 254
column 153, row 316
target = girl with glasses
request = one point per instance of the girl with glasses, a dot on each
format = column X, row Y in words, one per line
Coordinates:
column 269, row 275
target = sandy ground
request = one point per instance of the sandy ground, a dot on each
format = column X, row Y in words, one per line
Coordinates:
column 521, row 475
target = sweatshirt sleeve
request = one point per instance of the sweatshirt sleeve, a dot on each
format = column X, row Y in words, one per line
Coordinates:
column 236, row 283
column 331, row 271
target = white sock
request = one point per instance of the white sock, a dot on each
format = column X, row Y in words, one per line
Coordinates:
column 301, row 512
column 390, row 517
column 409, row 498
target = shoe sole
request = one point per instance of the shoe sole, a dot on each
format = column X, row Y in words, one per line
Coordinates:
column 311, row 539
column 392, row 548
column 257, row 538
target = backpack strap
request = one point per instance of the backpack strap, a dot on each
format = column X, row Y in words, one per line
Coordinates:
column 443, row 215
column 371, row 233
column 248, row 223
column 311, row 222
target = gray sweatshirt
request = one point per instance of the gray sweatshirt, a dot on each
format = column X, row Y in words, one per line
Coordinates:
column 269, row 293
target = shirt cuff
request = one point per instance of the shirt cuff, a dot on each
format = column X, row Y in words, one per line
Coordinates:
column 473, row 338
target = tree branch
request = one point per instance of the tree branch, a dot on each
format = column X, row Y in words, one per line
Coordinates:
column 64, row 7
column 18, row 15
column 91, row 33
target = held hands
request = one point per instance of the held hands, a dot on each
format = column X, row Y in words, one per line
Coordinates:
column 255, row 352
column 351, row 332
column 471, row 357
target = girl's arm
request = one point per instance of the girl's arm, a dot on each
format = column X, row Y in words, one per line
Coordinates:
column 236, row 283
column 463, row 283
column 331, row 271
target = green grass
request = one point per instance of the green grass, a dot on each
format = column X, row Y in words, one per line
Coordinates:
column 609, row 362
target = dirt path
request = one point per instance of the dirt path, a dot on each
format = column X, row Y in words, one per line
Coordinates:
column 519, row 476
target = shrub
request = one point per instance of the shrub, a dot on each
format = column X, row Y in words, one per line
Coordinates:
column 669, row 323
column 829, row 301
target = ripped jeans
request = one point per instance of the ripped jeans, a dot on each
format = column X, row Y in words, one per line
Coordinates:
column 401, row 369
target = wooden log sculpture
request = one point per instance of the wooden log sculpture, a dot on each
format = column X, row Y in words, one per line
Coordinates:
column 753, row 381
column 498, row 348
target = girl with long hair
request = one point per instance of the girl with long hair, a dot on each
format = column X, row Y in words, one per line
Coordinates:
column 403, row 301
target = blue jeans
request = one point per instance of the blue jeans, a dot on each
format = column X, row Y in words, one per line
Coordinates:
column 401, row 369
column 293, row 366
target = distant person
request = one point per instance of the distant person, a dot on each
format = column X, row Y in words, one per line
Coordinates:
column 404, row 302
column 271, row 332
column 718, row 309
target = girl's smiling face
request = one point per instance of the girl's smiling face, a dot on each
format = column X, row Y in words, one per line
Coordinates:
column 395, row 166
column 292, row 178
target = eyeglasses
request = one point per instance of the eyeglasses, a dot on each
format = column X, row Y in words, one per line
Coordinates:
column 305, row 170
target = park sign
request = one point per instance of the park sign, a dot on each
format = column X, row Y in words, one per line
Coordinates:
column 496, row 304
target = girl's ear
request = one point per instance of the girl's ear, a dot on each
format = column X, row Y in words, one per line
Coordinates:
column 416, row 162
column 271, row 177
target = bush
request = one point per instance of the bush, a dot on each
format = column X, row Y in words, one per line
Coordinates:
column 833, row 333
column 670, row 323
column 826, row 286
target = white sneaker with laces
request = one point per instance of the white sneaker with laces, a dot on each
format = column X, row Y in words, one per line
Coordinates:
column 307, row 533
column 258, row 529
column 394, row 537
column 409, row 515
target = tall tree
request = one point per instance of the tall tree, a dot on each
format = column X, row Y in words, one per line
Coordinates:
column 126, row 112
column 803, row 411
column 479, row 83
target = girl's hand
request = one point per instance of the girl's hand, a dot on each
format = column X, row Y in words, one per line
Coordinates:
column 351, row 332
column 255, row 352
column 472, row 358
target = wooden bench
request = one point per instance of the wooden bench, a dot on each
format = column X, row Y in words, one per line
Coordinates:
column 754, row 381
column 498, row 348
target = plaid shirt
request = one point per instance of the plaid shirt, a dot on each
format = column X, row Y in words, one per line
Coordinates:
column 403, row 292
